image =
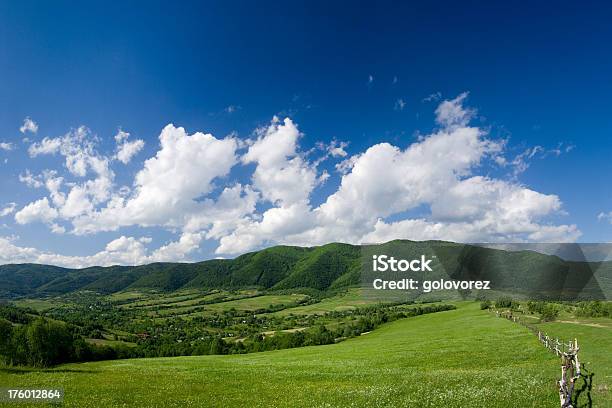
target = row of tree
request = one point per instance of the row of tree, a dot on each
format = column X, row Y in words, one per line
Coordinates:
column 39, row 342
column 594, row 309
column 44, row 343
column 549, row 311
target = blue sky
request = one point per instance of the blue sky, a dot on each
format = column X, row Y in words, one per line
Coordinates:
column 527, row 90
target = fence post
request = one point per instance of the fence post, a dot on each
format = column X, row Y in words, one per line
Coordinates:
column 569, row 360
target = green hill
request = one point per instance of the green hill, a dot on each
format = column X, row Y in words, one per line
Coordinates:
column 328, row 267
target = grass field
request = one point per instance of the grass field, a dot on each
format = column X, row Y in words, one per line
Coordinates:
column 460, row 358
column 154, row 299
column 344, row 301
column 595, row 339
column 36, row 304
column 247, row 304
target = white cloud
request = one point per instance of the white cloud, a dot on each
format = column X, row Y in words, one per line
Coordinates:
column 429, row 189
column 121, row 251
column 521, row 162
column 279, row 167
column 127, row 149
column 494, row 201
column 222, row 216
column 481, row 209
column 56, row 228
column 28, row 126
column 385, row 181
column 434, row 97
column 78, row 148
column 178, row 250
column 284, row 221
column 166, row 190
column 30, row 180
column 8, row 209
column 336, row 148
column 422, row 229
column 39, row 210
column 6, row 146
column 453, row 114
column 47, row 146
column 121, row 136
column 605, row 216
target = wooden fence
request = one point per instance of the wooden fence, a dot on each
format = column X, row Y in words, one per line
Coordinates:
column 566, row 351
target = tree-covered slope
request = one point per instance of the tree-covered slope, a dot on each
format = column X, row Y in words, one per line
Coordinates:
column 328, row 267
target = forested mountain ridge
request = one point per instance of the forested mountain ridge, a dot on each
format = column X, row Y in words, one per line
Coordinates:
column 327, row 267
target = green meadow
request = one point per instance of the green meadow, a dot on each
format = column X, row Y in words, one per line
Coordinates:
column 459, row 358
column 350, row 300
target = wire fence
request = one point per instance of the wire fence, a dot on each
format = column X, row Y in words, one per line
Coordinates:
column 566, row 351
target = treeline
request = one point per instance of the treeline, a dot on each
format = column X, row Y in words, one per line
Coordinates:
column 34, row 341
column 594, row 309
column 368, row 319
column 16, row 315
column 549, row 311
column 44, row 343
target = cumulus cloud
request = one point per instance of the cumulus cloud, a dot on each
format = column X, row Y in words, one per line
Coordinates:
column 386, row 180
column 187, row 188
column 6, row 146
column 30, row 180
column 28, row 126
column 78, row 147
column 39, row 210
column 166, row 191
column 121, row 251
column 81, row 159
column 336, row 148
column 482, row 209
column 127, row 149
column 278, row 165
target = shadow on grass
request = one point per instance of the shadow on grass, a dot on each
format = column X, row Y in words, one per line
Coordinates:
column 582, row 397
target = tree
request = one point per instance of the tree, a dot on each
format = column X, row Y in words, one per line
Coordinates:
column 549, row 313
column 6, row 337
column 216, row 347
column 49, row 343
column 504, row 302
column 19, row 346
